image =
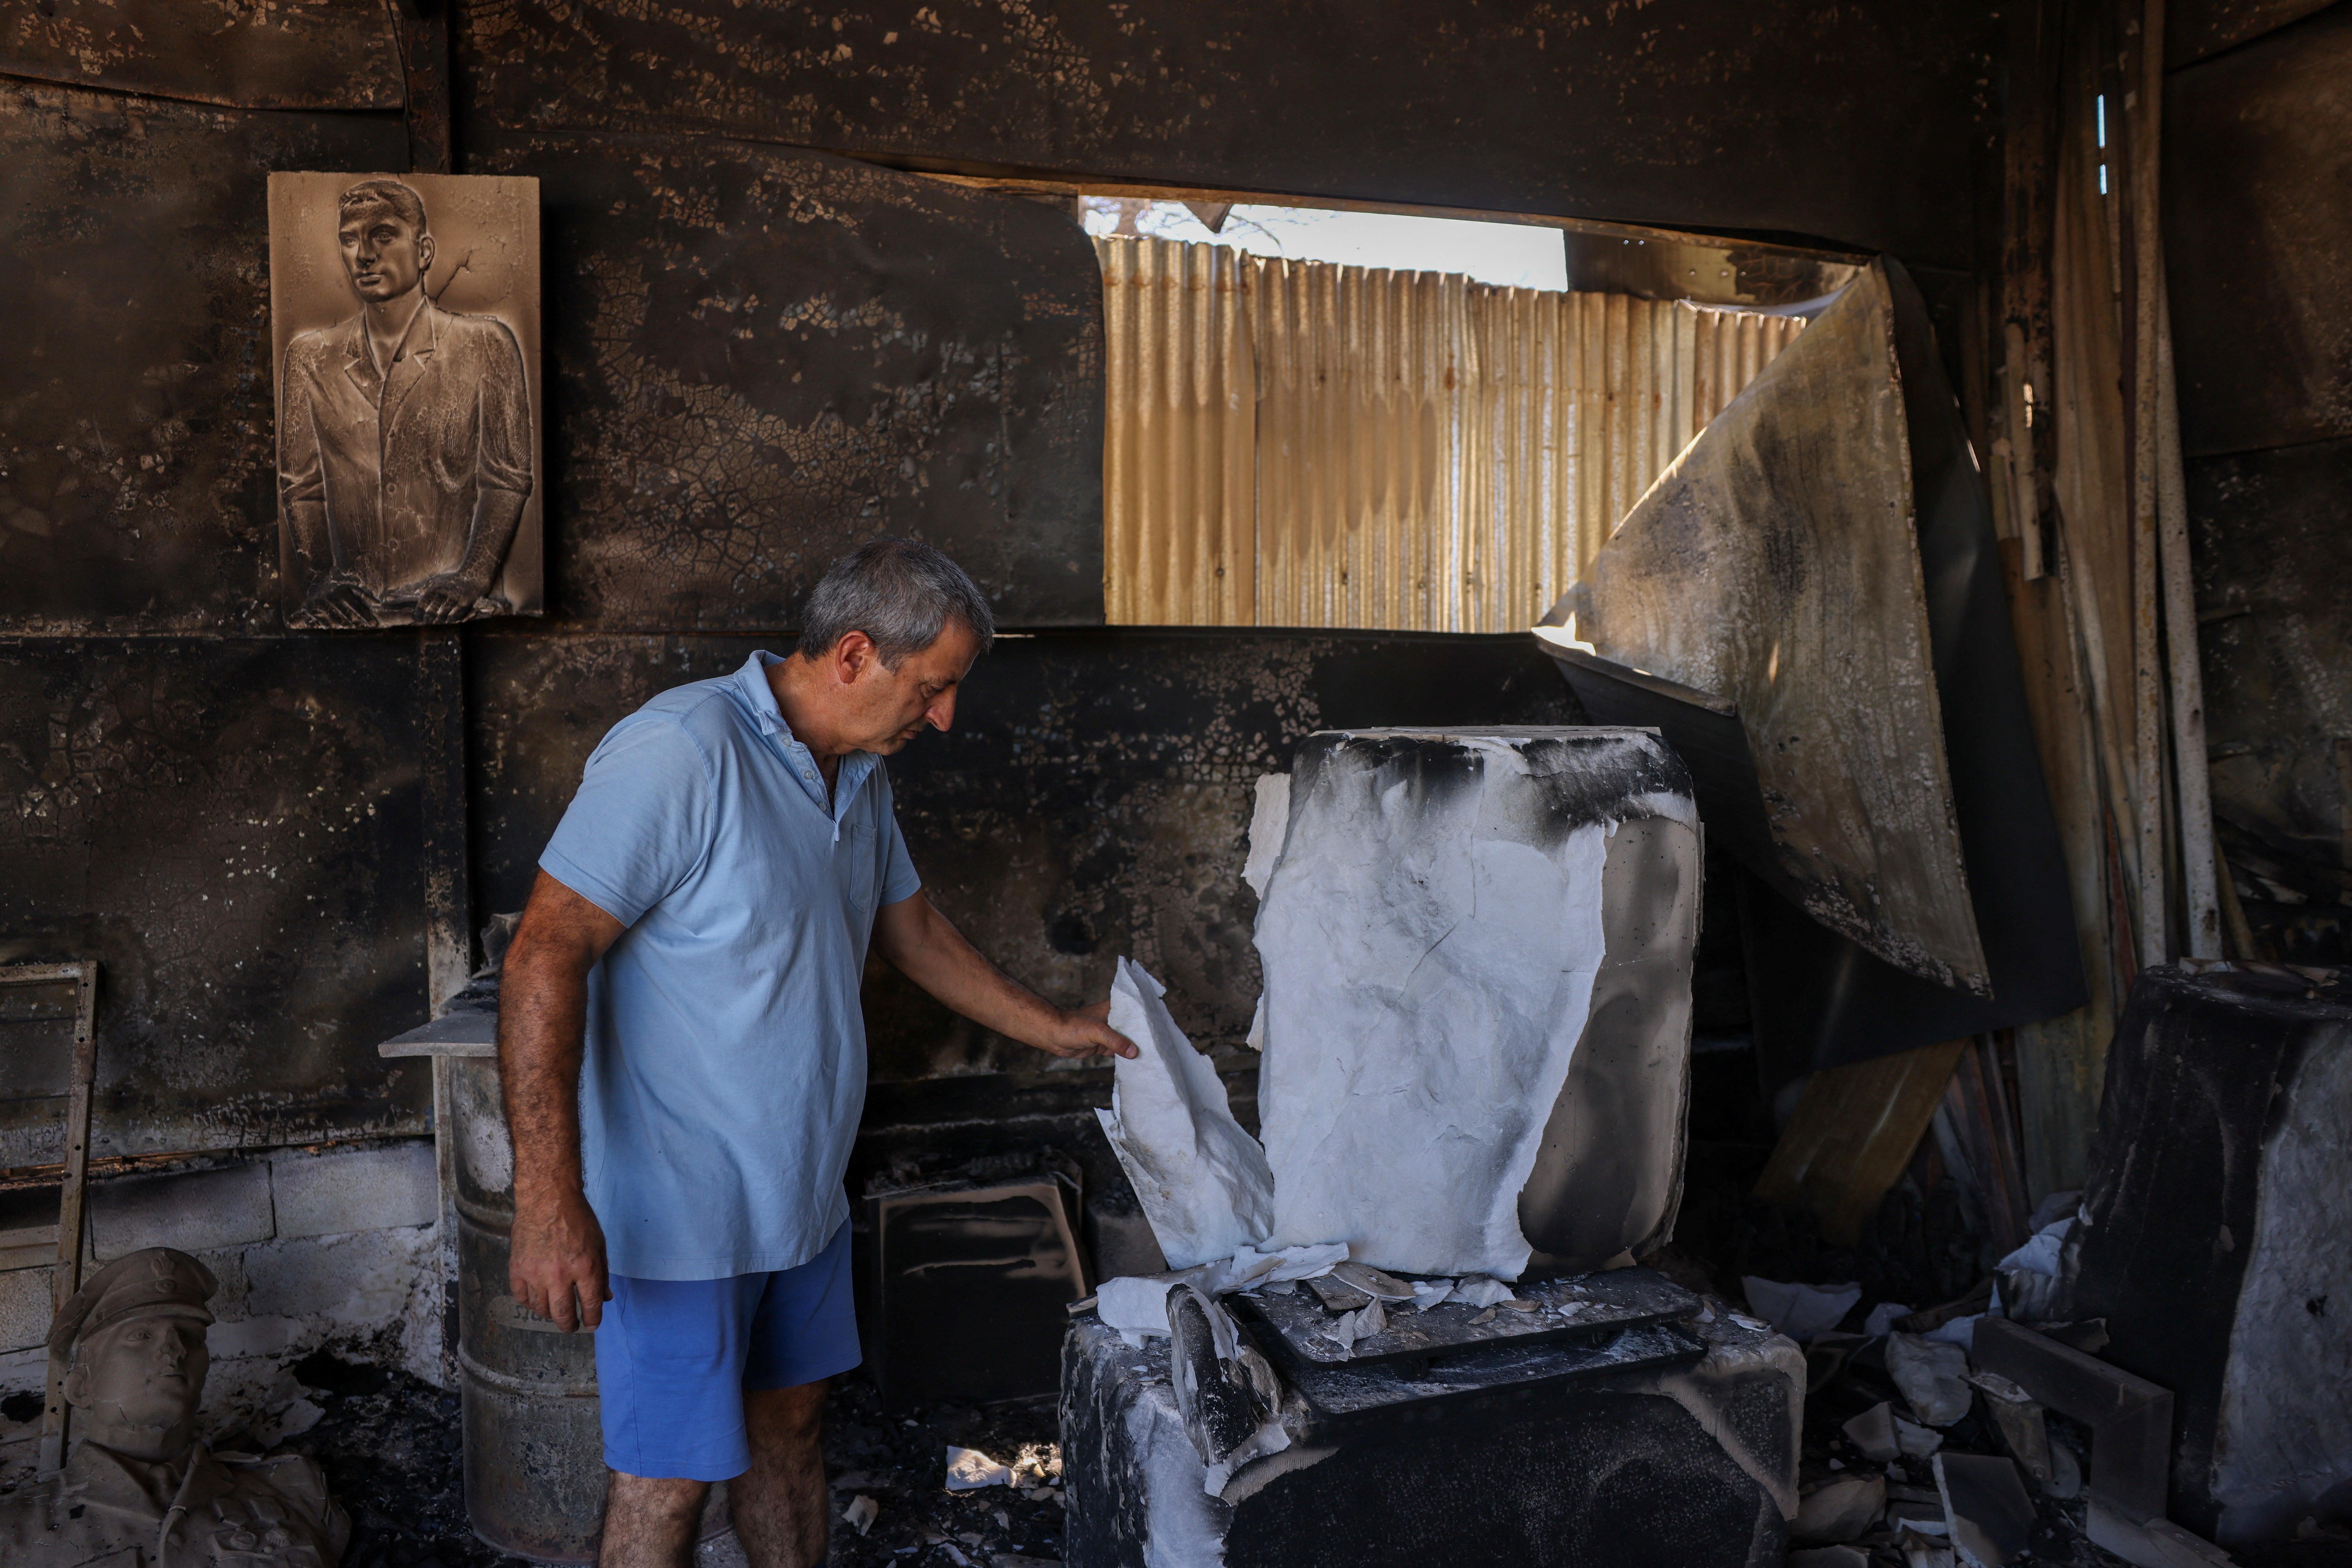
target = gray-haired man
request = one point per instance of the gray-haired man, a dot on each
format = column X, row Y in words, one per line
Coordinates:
column 695, row 942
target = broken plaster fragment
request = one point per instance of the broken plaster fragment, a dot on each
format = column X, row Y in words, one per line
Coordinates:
column 1931, row 1375
column 1915, row 1440
column 1352, row 1330
column 1873, row 1433
column 1428, row 1293
column 1482, row 1291
column 969, row 1470
column 1372, row 1282
column 860, row 1513
column 1203, row 1181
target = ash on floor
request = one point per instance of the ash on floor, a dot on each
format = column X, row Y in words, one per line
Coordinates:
column 391, row 1448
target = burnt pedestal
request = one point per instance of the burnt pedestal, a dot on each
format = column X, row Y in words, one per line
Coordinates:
column 2217, row 1249
column 1670, row 1443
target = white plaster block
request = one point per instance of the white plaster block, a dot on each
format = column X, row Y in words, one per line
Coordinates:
column 350, row 1190
column 25, row 1297
column 193, row 1211
column 1430, row 931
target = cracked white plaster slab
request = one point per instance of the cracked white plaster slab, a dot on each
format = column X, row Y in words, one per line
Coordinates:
column 1430, row 932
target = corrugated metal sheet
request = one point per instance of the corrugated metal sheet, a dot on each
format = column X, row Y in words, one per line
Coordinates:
column 1294, row 443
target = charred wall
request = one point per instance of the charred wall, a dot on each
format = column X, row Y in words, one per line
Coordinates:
column 1092, row 801
column 767, row 339
column 2258, row 205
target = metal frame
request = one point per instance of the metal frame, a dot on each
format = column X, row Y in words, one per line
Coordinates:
column 66, row 1278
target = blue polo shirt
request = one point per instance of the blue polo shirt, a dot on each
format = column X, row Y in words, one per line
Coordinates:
column 725, row 1054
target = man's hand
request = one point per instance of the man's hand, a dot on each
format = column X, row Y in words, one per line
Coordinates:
column 1086, row 1032
column 557, row 1249
column 558, row 1257
column 932, row 954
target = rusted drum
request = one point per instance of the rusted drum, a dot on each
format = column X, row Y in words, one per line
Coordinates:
column 534, row 1454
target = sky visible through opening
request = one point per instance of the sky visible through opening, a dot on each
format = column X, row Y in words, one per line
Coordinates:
column 1510, row 254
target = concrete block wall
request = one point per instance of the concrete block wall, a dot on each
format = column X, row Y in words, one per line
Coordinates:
column 331, row 1247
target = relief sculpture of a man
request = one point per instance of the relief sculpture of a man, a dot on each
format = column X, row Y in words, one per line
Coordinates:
column 139, row 1491
column 404, row 439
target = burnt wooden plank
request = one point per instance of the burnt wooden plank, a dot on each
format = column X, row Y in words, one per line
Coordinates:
column 1679, row 111
column 290, row 54
column 1854, row 1130
column 760, row 358
column 137, row 464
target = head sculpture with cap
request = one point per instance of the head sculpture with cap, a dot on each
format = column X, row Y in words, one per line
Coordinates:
column 133, row 1337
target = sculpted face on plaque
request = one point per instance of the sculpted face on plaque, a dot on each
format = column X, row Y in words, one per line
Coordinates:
column 139, row 1489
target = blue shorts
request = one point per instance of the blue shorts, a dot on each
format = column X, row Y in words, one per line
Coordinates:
column 675, row 1357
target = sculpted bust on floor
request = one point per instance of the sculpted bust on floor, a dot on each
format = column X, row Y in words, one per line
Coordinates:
column 139, row 1489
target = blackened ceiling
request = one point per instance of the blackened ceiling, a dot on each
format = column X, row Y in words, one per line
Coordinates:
column 1855, row 124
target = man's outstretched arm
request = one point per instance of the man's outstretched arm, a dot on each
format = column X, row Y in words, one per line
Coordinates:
column 557, row 1249
column 929, row 951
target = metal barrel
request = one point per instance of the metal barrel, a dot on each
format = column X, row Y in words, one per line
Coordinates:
column 534, row 1453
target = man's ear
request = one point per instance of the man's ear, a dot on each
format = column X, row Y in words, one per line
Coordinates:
column 423, row 257
column 855, row 654
column 75, row 1386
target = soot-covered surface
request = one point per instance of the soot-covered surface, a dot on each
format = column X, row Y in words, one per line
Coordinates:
column 390, row 1446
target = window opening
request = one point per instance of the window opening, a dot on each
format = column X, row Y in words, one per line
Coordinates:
column 1391, row 422
column 1502, row 255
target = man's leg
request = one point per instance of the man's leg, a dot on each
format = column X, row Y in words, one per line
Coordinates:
column 650, row 1522
column 780, row 1503
column 805, row 1331
column 669, row 1372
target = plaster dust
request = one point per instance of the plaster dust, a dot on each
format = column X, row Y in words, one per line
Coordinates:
column 1204, row 1183
column 1430, row 934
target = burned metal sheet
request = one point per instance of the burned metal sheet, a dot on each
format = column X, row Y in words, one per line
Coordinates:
column 1775, row 566
column 295, row 54
column 230, row 827
column 1819, row 999
column 2258, row 238
column 1576, row 110
column 1090, row 803
column 136, row 458
column 761, row 357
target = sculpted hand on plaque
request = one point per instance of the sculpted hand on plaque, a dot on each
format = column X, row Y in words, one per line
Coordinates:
column 140, row 1491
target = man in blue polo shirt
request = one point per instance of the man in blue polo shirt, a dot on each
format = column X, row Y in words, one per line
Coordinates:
column 685, row 1061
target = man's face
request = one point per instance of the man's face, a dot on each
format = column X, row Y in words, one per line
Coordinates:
column 889, row 708
column 384, row 257
column 146, row 1372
